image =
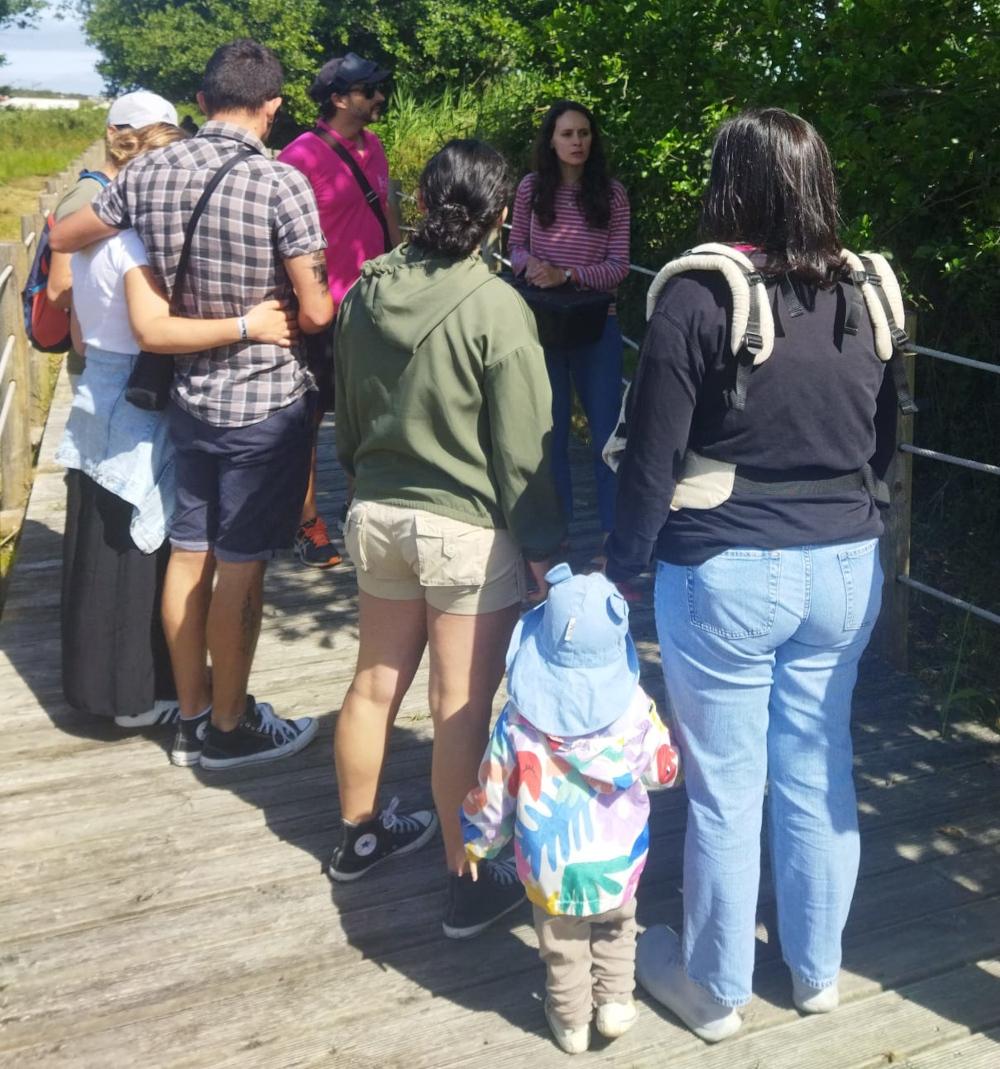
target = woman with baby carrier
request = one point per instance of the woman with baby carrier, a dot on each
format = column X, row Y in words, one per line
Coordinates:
column 755, row 427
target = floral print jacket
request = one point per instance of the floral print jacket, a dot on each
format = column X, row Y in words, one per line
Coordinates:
column 576, row 808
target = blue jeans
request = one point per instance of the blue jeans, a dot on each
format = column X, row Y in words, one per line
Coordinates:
column 596, row 373
column 760, row 655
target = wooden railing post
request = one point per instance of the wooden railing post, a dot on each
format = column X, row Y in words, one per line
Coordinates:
column 891, row 637
column 38, row 362
column 15, row 423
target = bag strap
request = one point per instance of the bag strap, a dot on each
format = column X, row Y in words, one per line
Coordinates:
column 371, row 197
column 181, row 275
column 904, row 395
column 98, row 176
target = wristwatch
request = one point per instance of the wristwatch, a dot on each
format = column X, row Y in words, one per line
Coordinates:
column 568, row 273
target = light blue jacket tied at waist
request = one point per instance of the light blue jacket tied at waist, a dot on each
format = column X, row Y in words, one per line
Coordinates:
column 124, row 449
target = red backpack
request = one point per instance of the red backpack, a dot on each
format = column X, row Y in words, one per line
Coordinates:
column 47, row 327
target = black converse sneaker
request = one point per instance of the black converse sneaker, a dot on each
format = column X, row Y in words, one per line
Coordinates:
column 474, row 906
column 189, row 739
column 387, row 834
column 259, row 736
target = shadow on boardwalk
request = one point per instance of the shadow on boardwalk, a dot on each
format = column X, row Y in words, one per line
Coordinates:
column 163, row 917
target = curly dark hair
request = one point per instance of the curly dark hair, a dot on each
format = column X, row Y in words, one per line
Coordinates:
column 772, row 186
column 594, row 193
column 464, row 188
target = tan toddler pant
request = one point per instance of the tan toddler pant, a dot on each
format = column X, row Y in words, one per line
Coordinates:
column 588, row 961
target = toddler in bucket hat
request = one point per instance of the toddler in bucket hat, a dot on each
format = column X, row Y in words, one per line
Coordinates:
column 565, row 775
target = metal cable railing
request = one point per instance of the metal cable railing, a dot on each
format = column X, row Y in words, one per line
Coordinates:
column 961, row 462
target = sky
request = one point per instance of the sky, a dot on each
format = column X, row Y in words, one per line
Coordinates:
column 53, row 56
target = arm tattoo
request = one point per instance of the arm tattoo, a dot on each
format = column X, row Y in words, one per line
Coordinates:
column 319, row 271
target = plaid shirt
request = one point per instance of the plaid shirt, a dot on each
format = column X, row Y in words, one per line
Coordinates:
column 260, row 215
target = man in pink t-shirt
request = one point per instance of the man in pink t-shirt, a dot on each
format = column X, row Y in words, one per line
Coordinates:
column 349, row 100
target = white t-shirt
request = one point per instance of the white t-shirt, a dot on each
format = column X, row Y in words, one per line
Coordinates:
column 99, row 290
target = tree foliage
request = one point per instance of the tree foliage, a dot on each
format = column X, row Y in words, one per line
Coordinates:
column 18, row 13
column 164, row 45
column 904, row 91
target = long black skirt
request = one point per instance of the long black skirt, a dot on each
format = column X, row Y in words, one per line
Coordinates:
column 114, row 654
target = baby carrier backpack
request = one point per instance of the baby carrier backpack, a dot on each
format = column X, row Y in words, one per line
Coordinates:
column 706, row 483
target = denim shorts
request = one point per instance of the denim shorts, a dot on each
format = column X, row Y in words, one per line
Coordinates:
column 402, row 554
column 240, row 489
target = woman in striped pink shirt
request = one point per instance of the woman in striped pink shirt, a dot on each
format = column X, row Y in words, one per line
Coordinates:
column 571, row 225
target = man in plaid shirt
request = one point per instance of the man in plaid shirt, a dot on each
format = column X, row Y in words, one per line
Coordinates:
column 241, row 415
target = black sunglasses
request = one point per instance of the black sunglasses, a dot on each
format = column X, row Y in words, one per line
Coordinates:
column 368, row 90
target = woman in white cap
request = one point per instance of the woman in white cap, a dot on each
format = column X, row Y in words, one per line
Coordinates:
column 133, row 111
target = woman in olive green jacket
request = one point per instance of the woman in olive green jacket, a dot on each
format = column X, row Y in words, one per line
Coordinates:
column 444, row 423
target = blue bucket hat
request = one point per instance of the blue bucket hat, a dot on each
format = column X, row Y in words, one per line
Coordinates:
column 572, row 667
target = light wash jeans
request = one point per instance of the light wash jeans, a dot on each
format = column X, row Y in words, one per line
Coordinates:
column 596, row 373
column 760, row 655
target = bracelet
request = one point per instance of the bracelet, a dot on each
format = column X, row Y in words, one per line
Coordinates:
column 241, row 322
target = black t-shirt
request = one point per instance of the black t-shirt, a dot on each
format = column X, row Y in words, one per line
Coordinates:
column 820, row 405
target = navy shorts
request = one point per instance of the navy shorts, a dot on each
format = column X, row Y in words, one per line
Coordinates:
column 240, row 489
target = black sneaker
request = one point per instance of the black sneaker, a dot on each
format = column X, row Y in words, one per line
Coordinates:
column 259, row 736
column 474, row 906
column 387, row 834
column 189, row 739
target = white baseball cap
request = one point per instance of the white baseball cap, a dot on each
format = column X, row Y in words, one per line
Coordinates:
column 141, row 108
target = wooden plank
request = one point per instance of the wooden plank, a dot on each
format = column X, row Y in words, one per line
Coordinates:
column 165, row 917
column 980, row 1051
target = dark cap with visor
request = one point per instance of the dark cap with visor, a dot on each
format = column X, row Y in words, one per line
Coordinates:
column 340, row 74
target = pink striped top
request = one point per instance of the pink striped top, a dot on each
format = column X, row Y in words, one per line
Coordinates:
column 599, row 257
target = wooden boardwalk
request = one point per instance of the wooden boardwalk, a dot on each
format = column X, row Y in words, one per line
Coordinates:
column 152, row 916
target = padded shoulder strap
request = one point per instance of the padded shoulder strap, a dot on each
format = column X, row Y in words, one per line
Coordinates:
column 883, row 299
column 753, row 326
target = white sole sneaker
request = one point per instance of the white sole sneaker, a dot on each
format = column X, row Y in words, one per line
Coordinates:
column 659, row 967
column 571, row 1040
column 614, row 1019
column 814, row 999
column 164, row 711
column 189, row 738
column 339, row 876
column 300, row 742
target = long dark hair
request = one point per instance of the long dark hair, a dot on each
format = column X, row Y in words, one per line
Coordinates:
column 595, row 185
column 772, row 186
column 465, row 186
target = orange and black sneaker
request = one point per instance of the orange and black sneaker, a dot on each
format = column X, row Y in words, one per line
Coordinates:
column 313, row 545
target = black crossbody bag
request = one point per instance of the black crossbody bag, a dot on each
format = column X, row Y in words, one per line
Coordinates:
column 148, row 385
column 371, row 197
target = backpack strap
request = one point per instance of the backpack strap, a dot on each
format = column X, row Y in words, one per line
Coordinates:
column 371, row 197
column 98, row 176
column 872, row 275
column 752, row 330
column 792, row 301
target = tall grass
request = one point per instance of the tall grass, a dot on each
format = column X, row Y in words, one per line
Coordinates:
column 502, row 113
column 41, row 143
